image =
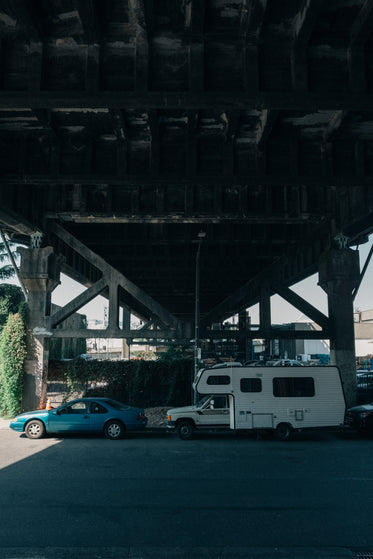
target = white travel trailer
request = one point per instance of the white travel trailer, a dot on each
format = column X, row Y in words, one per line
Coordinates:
column 280, row 399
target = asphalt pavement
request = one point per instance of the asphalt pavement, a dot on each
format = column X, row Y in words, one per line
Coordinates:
column 4, row 423
column 177, row 553
column 216, row 497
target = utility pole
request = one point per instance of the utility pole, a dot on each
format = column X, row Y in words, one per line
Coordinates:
column 197, row 349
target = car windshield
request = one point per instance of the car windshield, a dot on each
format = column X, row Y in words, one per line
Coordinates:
column 117, row 405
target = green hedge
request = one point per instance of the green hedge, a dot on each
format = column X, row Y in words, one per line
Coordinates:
column 141, row 383
column 12, row 356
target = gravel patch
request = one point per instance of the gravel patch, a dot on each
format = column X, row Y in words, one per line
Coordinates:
column 157, row 417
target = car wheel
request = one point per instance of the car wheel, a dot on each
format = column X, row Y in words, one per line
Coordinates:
column 114, row 430
column 35, row 429
column 283, row 432
column 185, row 430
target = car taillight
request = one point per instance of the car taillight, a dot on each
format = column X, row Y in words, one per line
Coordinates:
column 140, row 416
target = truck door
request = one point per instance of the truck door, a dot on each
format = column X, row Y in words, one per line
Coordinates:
column 214, row 412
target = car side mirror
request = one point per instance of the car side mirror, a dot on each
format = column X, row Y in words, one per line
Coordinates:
column 56, row 412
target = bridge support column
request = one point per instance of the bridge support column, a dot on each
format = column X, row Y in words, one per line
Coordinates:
column 338, row 275
column 40, row 273
column 126, row 343
column 243, row 345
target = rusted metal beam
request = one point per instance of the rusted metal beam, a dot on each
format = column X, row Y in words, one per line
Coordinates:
column 133, row 181
column 302, row 29
column 302, row 305
column 139, row 21
column 194, row 28
column 282, row 100
column 252, row 18
column 248, row 294
column 134, row 291
column 265, row 126
column 164, row 334
column 207, row 218
column 78, row 302
column 361, row 28
column 359, row 34
column 334, row 125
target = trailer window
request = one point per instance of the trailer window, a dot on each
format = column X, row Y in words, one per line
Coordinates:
column 293, row 387
column 218, row 379
column 251, row 385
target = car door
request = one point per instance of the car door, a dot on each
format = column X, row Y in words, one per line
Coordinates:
column 98, row 414
column 72, row 418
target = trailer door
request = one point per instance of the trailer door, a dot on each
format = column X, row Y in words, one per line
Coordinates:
column 244, row 418
column 246, row 401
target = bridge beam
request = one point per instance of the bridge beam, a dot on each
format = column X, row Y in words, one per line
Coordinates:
column 40, row 273
column 338, row 276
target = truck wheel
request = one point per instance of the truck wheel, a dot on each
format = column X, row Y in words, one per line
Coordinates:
column 185, row 430
column 283, row 432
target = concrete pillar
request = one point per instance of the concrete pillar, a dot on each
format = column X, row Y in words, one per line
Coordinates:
column 244, row 344
column 338, row 275
column 40, row 273
column 126, row 344
column 265, row 316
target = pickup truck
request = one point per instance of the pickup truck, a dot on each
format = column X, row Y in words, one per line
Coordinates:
column 211, row 412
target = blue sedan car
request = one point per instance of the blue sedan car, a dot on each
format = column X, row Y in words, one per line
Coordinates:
column 84, row 415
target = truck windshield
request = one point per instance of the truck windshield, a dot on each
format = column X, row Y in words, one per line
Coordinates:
column 203, row 400
column 213, row 401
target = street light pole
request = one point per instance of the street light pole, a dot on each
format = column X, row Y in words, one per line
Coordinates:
column 197, row 350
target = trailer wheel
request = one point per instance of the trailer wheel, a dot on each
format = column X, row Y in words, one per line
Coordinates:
column 185, row 430
column 283, row 432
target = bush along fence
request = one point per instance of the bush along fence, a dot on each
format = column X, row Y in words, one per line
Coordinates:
column 138, row 383
column 12, row 357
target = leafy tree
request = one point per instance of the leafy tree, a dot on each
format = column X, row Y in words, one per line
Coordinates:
column 173, row 354
column 11, row 301
column 12, row 356
column 6, row 269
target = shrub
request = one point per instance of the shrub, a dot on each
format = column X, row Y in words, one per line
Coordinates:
column 12, row 356
column 142, row 383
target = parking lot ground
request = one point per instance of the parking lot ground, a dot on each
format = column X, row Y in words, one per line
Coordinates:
column 153, row 495
column 178, row 553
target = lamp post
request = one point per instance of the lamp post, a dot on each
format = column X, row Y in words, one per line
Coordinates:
column 197, row 350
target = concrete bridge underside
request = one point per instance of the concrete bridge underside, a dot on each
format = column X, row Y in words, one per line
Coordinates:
column 128, row 127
